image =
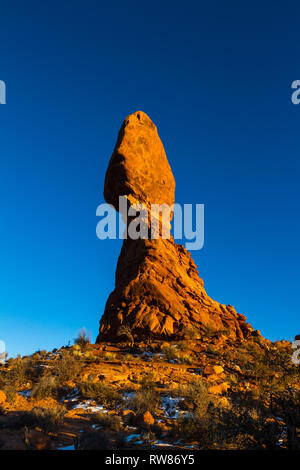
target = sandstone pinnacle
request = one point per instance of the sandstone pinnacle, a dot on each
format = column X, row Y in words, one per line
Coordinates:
column 158, row 292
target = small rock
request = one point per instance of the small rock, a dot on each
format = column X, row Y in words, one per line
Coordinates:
column 2, row 396
column 127, row 417
column 145, row 420
column 209, row 370
column 213, row 378
column 219, row 389
column 161, row 427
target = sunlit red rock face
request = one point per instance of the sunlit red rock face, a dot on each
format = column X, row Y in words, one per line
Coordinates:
column 158, row 292
column 138, row 166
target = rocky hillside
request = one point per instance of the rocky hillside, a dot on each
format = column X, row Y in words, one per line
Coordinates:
column 206, row 393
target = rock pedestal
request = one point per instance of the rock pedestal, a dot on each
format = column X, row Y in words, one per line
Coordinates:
column 158, row 292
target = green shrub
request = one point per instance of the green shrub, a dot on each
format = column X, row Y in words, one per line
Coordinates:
column 83, row 339
column 45, row 387
column 196, row 396
column 108, row 421
column 110, row 356
column 198, row 424
column 48, row 419
column 186, row 359
column 170, row 352
column 21, row 372
column 125, row 330
column 147, row 381
column 101, row 393
column 88, row 356
column 10, row 392
column 67, row 368
column 145, row 400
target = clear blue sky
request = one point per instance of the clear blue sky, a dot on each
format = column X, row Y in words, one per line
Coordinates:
column 216, row 79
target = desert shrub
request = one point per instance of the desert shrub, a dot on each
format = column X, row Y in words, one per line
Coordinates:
column 21, row 372
column 83, row 339
column 196, row 397
column 67, row 368
column 146, row 398
column 88, row 356
column 197, row 424
column 147, row 381
column 149, row 437
column 243, row 427
column 108, row 421
column 192, row 332
column 125, row 330
column 213, row 350
column 190, row 428
column 287, row 405
column 36, row 356
column 84, row 354
column 48, row 419
column 246, row 424
column 76, row 351
column 170, row 352
column 186, row 359
column 100, row 392
column 110, row 356
column 45, row 387
column 3, row 379
column 10, row 392
column 129, row 357
column 269, row 369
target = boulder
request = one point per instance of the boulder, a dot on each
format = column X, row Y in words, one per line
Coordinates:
column 145, row 420
column 213, row 378
column 219, row 389
column 127, row 417
column 213, row 369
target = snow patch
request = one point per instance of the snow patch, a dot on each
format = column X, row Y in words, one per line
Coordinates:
column 171, row 407
column 89, row 406
column 25, row 393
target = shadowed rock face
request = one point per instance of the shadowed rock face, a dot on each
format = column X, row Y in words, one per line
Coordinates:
column 158, row 292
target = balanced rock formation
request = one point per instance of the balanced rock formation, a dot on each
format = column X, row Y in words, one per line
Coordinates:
column 158, row 292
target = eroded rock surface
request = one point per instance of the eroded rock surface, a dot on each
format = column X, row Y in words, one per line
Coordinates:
column 158, row 292
column 138, row 167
